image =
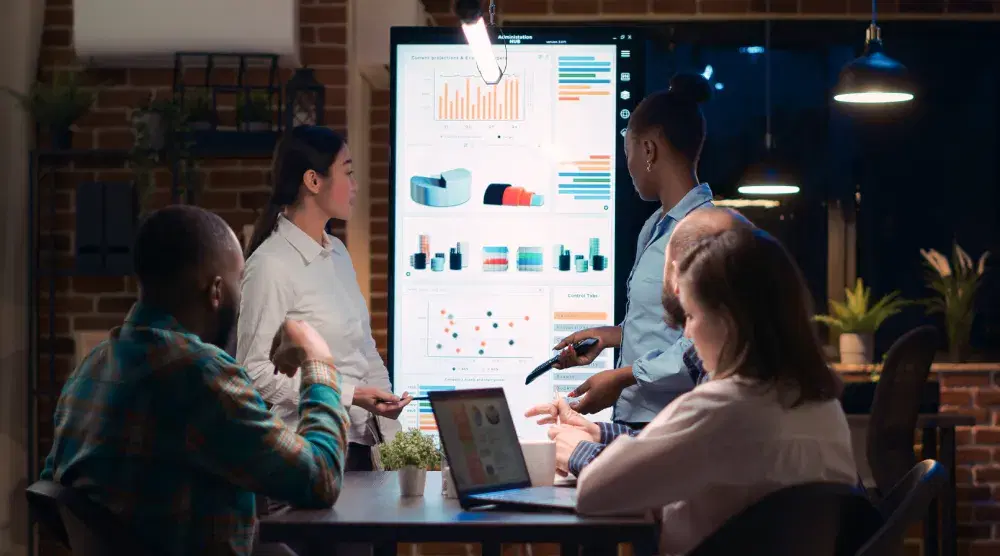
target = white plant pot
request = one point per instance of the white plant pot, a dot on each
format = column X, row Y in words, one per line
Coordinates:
column 412, row 481
column 856, row 349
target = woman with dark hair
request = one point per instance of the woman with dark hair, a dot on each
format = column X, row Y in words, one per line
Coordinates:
column 295, row 269
column 769, row 416
column 663, row 144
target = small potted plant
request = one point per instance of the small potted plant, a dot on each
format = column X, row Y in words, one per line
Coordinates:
column 154, row 120
column 857, row 321
column 411, row 454
column 255, row 111
column 955, row 282
column 56, row 106
column 198, row 112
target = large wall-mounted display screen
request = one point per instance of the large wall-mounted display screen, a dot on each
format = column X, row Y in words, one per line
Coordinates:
column 503, row 208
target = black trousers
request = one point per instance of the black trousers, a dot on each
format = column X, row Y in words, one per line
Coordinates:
column 359, row 457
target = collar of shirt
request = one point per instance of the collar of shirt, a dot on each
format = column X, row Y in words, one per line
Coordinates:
column 144, row 316
column 305, row 245
column 697, row 196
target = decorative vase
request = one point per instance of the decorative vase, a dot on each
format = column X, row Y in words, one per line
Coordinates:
column 412, row 480
column 856, row 349
column 448, row 483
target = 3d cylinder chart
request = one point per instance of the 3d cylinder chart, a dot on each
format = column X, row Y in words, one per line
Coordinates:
column 563, row 259
column 456, row 258
column 505, row 194
column 449, row 189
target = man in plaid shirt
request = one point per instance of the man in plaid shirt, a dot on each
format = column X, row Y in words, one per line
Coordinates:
column 162, row 427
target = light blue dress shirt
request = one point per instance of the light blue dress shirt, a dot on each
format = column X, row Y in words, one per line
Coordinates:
column 655, row 351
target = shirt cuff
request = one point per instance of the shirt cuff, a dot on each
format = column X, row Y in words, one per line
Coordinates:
column 317, row 371
column 611, row 431
column 583, row 454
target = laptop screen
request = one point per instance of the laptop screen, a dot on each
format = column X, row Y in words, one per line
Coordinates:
column 479, row 439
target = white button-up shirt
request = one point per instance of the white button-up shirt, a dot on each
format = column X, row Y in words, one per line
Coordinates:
column 292, row 276
column 714, row 452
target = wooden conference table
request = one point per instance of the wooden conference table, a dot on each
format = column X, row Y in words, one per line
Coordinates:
column 371, row 510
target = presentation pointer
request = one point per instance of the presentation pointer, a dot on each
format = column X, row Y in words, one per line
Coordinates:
column 580, row 347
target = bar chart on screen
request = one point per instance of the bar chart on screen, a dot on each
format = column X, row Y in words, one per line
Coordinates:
column 584, row 77
column 468, row 98
column 425, row 417
column 584, row 182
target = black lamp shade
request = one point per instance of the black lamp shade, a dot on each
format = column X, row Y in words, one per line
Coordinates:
column 769, row 177
column 874, row 78
column 305, row 100
column 468, row 11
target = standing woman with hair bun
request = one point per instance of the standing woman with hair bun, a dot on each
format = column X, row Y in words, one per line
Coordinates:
column 295, row 269
column 663, row 144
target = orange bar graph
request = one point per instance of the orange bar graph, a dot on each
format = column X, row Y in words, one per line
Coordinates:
column 576, row 92
column 459, row 100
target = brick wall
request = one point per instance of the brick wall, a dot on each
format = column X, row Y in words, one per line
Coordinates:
column 235, row 189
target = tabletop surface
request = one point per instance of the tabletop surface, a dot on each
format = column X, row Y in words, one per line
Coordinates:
column 926, row 420
column 373, row 499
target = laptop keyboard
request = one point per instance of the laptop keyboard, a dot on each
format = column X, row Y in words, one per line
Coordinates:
column 559, row 495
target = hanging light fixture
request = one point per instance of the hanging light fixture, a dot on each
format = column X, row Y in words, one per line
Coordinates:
column 874, row 78
column 767, row 177
column 470, row 14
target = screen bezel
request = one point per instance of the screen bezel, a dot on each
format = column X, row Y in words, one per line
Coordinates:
column 494, row 395
column 626, row 199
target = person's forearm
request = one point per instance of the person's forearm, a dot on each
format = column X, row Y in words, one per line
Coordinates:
column 615, row 337
column 625, row 377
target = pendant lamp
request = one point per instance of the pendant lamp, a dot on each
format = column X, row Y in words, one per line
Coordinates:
column 768, row 177
column 874, row 78
column 470, row 13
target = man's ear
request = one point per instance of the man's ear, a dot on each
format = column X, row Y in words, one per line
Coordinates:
column 215, row 293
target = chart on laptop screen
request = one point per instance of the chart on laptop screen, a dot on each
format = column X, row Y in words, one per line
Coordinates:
column 503, row 210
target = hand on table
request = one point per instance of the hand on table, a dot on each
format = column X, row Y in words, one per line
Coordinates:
column 601, row 390
column 560, row 413
column 379, row 402
column 295, row 343
column 567, row 438
column 606, row 336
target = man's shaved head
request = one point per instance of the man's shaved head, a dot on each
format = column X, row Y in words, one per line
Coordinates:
column 188, row 263
column 689, row 231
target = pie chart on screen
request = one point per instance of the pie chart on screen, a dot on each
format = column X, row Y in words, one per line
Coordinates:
column 507, row 195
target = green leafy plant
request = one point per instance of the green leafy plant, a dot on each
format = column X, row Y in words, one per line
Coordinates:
column 856, row 316
column 255, row 107
column 955, row 282
column 57, row 104
column 410, row 448
column 172, row 149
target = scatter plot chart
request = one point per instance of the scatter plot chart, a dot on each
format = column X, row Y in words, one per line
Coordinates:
column 495, row 326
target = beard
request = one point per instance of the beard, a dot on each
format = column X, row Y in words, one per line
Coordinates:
column 225, row 329
column 672, row 310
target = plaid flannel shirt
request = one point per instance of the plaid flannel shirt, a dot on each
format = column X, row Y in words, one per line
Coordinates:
column 169, row 433
column 586, row 451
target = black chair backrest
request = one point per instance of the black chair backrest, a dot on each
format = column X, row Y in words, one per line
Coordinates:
column 801, row 520
column 905, row 505
column 86, row 527
column 896, row 406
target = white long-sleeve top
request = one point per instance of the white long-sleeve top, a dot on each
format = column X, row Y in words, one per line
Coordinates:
column 292, row 276
column 714, row 452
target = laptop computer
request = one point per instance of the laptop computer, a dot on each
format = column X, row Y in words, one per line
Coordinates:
column 479, row 439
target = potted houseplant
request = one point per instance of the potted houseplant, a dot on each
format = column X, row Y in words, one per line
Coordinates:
column 255, row 111
column 153, row 122
column 411, row 453
column 198, row 111
column 56, row 106
column 955, row 283
column 857, row 321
